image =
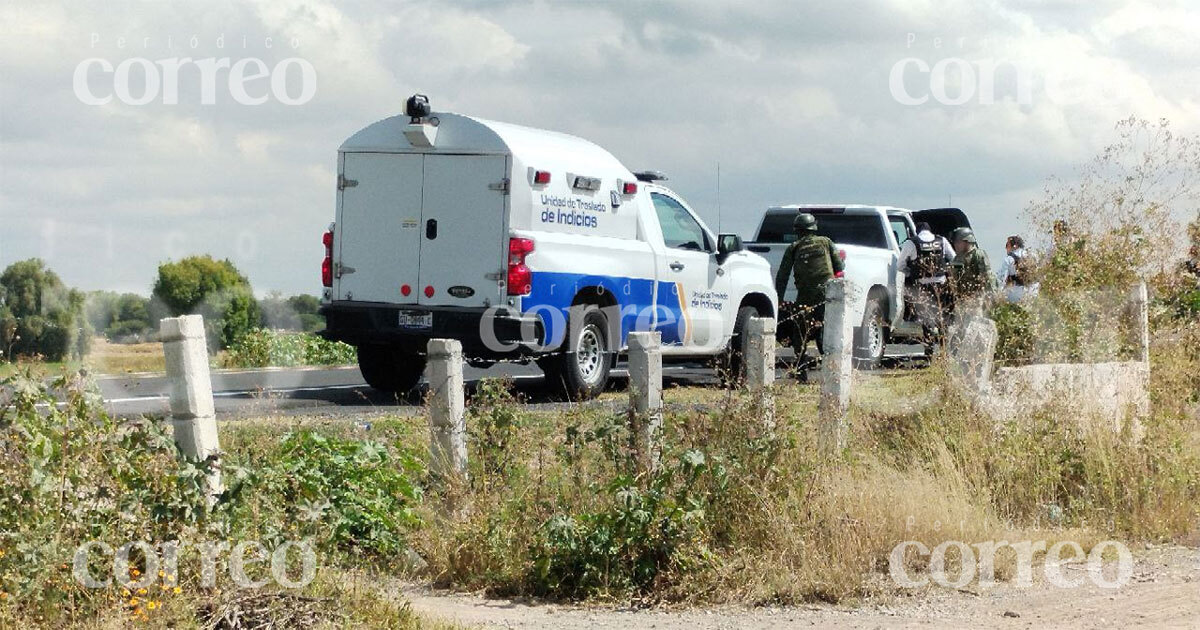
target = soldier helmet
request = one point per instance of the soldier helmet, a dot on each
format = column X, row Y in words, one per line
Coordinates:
column 963, row 234
column 804, row 222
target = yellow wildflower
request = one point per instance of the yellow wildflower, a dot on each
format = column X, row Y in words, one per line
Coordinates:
column 177, row 590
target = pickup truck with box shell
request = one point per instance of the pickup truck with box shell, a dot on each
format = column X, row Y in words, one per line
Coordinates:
column 523, row 244
column 868, row 238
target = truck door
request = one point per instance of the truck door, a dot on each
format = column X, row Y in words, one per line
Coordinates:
column 942, row 221
column 463, row 236
column 378, row 241
column 690, row 293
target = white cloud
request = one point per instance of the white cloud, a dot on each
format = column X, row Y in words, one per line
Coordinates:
column 792, row 99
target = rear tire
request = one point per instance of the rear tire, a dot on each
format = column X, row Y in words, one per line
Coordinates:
column 870, row 339
column 582, row 367
column 388, row 369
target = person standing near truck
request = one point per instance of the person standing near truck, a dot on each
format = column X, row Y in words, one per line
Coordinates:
column 970, row 274
column 1016, row 274
column 925, row 260
column 811, row 261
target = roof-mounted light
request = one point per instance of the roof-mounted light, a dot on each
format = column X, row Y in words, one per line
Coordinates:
column 417, row 107
column 650, row 176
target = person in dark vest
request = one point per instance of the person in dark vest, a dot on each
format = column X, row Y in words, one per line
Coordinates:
column 811, row 261
column 925, row 261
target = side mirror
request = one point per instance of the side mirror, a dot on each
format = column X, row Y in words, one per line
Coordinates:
column 728, row 244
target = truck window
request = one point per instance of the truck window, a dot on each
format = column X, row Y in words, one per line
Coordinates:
column 865, row 230
column 679, row 229
column 900, row 229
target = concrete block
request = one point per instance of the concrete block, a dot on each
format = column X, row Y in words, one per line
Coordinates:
column 837, row 368
column 1096, row 395
column 447, row 409
column 760, row 367
column 193, row 415
column 760, row 352
column 645, row 396
column 973, row 352
column 1140, row 305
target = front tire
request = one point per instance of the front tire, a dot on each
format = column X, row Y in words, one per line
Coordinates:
column 388, row 369
column 581, row 368
column 870, row 339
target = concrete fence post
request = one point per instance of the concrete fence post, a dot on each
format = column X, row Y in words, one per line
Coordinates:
column 447, row 408
column 760, row 366
column 973, row 353
column 1140, row 303
column 836, row 368
column 645, row 397
column 193, row 415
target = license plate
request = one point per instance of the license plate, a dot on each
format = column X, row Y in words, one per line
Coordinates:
column 416, row 319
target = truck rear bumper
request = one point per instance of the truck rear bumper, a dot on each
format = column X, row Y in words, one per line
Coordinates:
column 484, row 332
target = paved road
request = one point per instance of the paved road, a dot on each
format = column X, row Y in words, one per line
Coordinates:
column 338, row 391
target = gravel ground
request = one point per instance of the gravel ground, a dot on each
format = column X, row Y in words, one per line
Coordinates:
column 1163, row 593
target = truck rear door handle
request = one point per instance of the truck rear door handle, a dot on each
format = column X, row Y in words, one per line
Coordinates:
column 431, row 229
column 677, row 266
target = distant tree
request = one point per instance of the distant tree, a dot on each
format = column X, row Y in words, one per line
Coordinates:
column 41, row 315
column 119, row 316
column 278, row 313
column 298, row 312
column 307, row 309
column 212, row 288
column 183, row 285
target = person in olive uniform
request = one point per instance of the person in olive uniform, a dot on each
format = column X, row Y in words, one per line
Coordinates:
column 810, row 260
column 970, row 274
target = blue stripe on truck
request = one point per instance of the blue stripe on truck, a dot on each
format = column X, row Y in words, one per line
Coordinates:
column 553, row 292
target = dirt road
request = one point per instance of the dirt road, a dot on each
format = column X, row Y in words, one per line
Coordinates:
column 1163, row 593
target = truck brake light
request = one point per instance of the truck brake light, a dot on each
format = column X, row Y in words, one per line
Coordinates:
column 629, row 188
column 541, row 177
column 842, row 254
column 327, row 264
column 520, row 278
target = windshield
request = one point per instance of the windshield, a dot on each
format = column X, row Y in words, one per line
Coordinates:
column 865, row 230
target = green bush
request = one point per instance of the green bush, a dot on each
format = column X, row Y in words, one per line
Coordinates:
column 71, row 474
column 214, row 289
column 351, row 496
column 40, row 316
column 270, row 348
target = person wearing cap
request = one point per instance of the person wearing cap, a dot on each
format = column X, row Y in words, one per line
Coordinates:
column 925, row 259
column 970, row 274
column 811, row 260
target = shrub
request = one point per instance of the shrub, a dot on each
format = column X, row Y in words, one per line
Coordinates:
column 353, row 496
column 270, row 348
column 40, row 316
column 214, row 289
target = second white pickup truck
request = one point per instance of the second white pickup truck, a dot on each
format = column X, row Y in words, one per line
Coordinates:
column 868, row 239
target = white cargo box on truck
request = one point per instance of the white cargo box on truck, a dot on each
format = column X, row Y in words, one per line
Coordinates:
column 507, row 238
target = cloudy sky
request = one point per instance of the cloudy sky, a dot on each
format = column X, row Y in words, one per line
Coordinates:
column 856, row 101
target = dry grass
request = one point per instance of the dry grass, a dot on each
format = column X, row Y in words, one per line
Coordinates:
column 123, row 358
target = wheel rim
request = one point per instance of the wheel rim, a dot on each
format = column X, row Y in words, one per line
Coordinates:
column 875, row 338
column 588, row 354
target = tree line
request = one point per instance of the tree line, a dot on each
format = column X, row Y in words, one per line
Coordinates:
column 42, row 317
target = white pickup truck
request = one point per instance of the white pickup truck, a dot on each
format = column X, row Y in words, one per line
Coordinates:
column 522, row 244
column 868, row 239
